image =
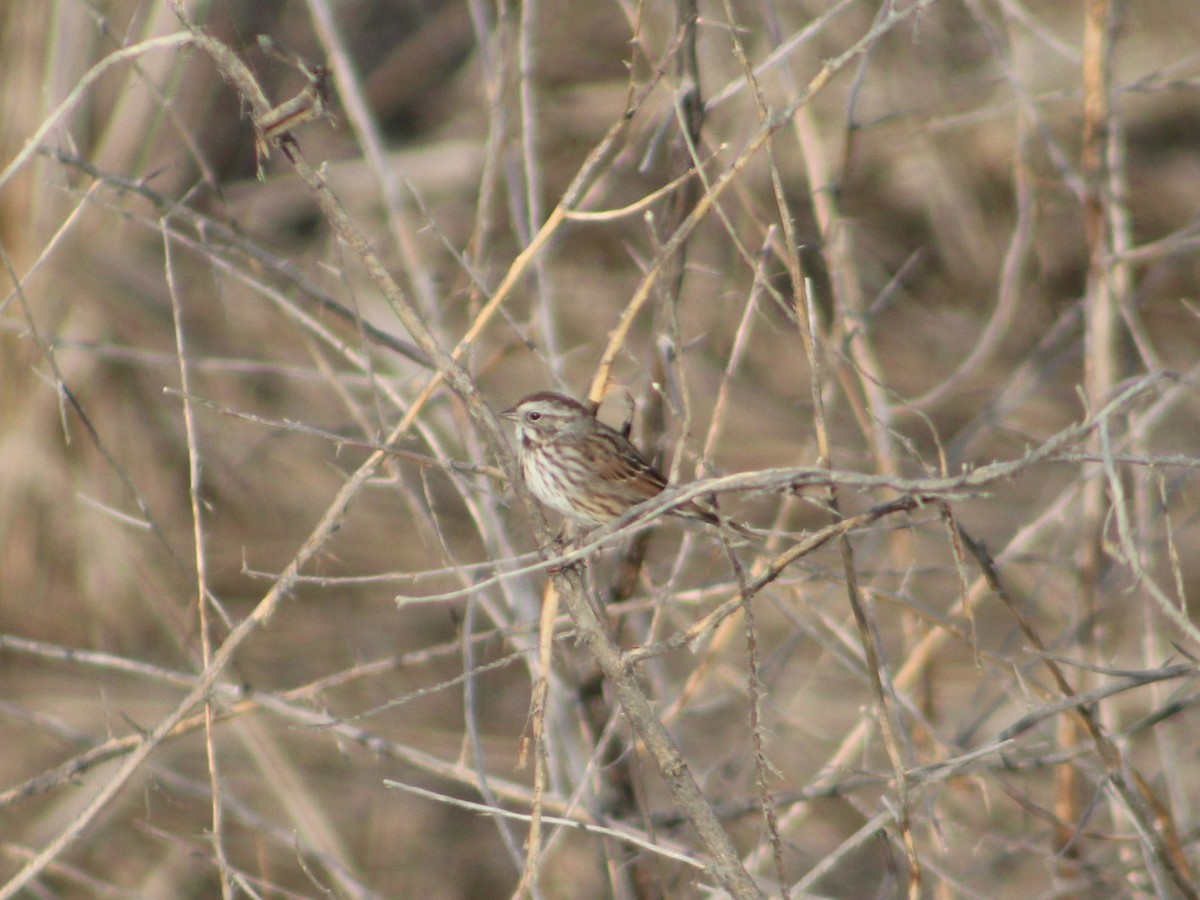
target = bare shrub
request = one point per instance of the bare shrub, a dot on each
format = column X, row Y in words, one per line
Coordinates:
column 906, row 287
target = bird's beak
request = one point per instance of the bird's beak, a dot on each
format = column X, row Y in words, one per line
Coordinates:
column 509, row 413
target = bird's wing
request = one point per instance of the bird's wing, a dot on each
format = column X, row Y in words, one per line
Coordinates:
column 626, row 467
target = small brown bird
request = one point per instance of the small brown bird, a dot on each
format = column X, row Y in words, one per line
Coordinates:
column 578, row 466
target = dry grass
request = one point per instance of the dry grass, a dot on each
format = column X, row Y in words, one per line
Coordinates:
column 964, row 409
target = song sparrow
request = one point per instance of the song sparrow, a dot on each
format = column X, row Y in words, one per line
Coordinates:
column 578, row 466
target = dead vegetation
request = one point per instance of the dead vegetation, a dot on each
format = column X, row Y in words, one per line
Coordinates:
column 909, row 287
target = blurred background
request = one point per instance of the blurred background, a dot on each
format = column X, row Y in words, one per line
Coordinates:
column 995, row 209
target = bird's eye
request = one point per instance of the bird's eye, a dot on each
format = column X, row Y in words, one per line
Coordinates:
column 534, row 416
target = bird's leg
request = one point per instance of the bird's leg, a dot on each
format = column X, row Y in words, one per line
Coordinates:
column 568, row 539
